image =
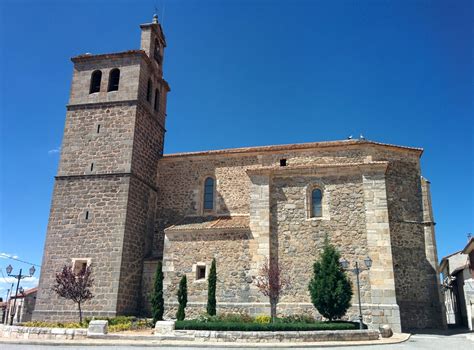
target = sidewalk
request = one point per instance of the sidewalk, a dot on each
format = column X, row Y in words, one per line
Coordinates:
column 153, row 341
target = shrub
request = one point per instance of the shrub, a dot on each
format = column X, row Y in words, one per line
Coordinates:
column 157, row 301
column 235, row 317
column 211, row 290
column 263, row 319
column 205, row 317
column 298, row 319
column 277, row 326
column 330, row 288
column 182, row 298
column 44, row 324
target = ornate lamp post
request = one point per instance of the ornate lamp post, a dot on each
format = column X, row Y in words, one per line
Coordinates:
column 19, row 277
column 357, row 270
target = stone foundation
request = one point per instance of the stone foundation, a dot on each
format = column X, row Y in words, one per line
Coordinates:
column 18, row 332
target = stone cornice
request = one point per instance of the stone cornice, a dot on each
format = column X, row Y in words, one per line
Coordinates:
column 99, row 176
column 342, row 144
column 318, row 168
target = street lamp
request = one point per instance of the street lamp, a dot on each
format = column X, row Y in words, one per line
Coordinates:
column 357, row 270
column 19, row 277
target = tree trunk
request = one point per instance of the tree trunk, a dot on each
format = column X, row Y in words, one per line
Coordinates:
column 80, row 312
column 273, row 310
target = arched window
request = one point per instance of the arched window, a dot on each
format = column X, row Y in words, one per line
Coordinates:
column 149, row 89
column 157, row 100
column 96, row 77
column 209, row 194
column 114, row 79
column 316, row 203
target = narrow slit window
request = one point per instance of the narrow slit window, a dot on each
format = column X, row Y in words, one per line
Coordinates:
column 316, row 203
column 92, row 166
column 149, row 90
column 157, row 52
column 157, row 100
column 200, row 272
column 209, row 194
column 114, row 79
column 87, row 215
column 98, row 128
column 96, row 78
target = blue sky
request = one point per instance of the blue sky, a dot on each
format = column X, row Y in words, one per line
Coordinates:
column 245, row 73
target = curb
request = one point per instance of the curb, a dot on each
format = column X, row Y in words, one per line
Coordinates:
column 396, row 339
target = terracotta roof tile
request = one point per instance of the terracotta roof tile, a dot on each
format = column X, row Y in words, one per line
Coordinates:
column 211, row 223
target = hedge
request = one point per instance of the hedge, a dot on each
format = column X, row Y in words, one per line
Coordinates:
column 240, row 326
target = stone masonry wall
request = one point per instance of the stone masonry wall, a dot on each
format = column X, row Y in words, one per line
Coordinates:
column 99, row 238
column 180, row 182
column 180, row 194
column 186, row 249
column 137, row 239
column 129, row 65
column 415, row 278
column 299, row 239
column 102, row 134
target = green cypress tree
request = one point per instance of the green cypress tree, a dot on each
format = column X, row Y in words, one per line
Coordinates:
column 330, row 288
column 182, row 298
column 157, row 302
column 211, row 290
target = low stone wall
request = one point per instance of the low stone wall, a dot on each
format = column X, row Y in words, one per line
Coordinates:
column 19, row 332
column 279, row 336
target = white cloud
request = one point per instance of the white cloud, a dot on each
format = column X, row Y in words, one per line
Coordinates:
column 6, row 283
column 8, row 256
column 54, row 150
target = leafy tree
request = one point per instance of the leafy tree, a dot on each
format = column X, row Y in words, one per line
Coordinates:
column 182, row 298
column 211, row 290
column 157, row 301
column 330, row 288
column 270, row 283
column 74, row 286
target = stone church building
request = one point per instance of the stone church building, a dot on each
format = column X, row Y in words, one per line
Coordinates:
column 121, row 205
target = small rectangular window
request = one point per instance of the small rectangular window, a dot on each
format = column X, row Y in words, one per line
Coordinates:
column 79, row 265
column 200, row 272
column 282, row 162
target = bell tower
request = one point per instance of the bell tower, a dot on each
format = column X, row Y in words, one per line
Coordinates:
column 103, row 206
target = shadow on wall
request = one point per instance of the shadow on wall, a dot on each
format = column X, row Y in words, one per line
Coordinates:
column 416, row 283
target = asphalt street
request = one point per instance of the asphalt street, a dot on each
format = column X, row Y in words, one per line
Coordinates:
column 419, row 342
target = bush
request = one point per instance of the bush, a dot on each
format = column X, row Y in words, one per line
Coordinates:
column 157, row 301
column 211, row 290
column 44, row 324
column 182, row 298
column 263, row 319
column 298, row 319
column 330, row 288
column 116, row 324
column 277, row 326
column 235, row 317
column 113, row 321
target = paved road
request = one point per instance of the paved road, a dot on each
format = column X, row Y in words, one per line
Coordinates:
column 418, row 342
